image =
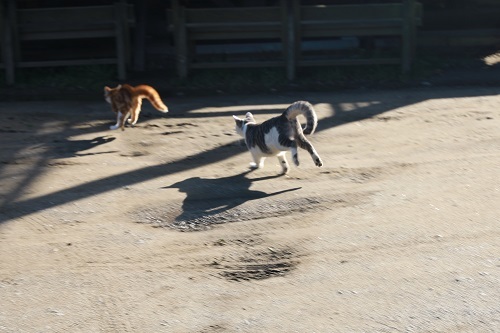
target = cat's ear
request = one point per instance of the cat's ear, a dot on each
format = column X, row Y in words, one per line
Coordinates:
column 106, row 89
column 249, row 117
column 238, row 121
column 119, row 86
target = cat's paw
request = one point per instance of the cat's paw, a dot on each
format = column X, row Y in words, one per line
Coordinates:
column 318, row 161
column 114, row 127
column 296, row 159
column 284, row 167
column 284, row 171
column 254, row 166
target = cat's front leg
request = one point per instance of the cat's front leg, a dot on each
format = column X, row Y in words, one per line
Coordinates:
column 118, row 120
column 136, row 110
column 123, row 118
column 284, row 164
column 257, row 165
column 258, row 161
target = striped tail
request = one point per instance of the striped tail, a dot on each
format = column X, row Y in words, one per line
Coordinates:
column 152, row 95
column 307, row 110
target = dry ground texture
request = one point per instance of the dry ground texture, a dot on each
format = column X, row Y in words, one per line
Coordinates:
column 160, row 228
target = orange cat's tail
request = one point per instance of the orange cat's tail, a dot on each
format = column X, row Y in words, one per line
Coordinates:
column 152, row 95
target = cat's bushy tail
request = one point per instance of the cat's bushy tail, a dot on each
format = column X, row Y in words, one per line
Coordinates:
column 307, row 110
column 152, row 95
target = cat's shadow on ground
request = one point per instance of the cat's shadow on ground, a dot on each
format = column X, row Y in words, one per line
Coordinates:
column 64, row 148
column 208, row 197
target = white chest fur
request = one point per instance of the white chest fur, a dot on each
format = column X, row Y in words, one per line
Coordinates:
column 271, row 140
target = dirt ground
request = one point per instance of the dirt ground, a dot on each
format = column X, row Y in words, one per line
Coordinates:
column 161, row 228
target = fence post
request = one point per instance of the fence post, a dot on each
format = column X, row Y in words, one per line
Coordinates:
column 140, row 11
column 288, row 38
column 10, row 47
column 180, row 38
column 409, row 35
column 120, row 40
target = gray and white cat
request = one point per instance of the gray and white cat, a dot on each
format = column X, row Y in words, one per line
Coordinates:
column 277, row 135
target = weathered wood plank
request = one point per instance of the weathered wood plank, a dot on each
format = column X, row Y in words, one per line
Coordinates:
column 180, row 38
column 221, row 26
column 139, row 50
column 121, row 39
column 351, row 12
column 64, row 16
column 289, row 37
column 351, row 28
column 354, row 62
column 56, row 63
column 9, row 47
column 233, row 34
column 55, row 35
column 408, row 34
column 246, row 14
column 238, row 64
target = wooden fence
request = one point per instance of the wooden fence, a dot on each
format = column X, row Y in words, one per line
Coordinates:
column 22, row 28
column 290, row 23
column 278, row 35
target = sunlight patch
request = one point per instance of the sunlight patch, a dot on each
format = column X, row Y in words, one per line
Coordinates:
column 492, row 59
column 241, row 108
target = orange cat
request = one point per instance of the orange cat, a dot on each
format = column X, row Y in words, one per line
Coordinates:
column 126, row 102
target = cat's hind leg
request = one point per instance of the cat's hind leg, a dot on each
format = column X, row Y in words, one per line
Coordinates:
column 136, row 110
column 295, row 155
column 303, row 143
column 284, row 163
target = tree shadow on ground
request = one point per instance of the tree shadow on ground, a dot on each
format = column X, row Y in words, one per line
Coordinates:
column 13, row 207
